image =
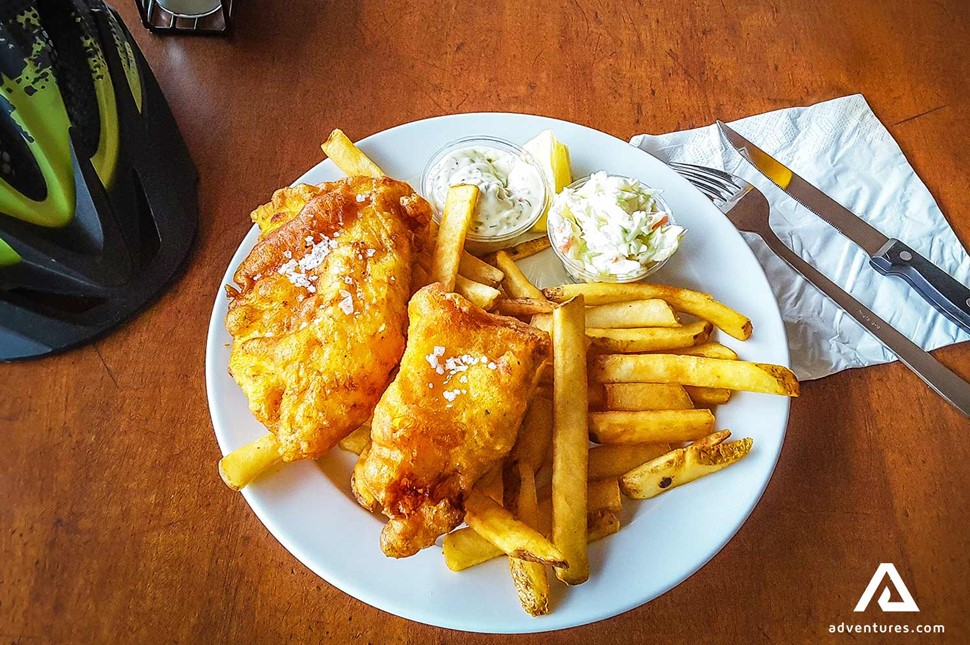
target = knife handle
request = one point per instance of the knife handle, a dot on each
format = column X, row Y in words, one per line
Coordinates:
column 950, row 298
column 944, row 382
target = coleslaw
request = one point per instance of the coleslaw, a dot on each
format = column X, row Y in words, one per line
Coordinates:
column 612, row 227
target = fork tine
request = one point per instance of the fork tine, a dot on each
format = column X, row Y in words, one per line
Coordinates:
column 720, row 174
column 710, row 194
column 707, row 185
column 708, row 191
column 726, row 186
column 715, row 176
column 706, row 174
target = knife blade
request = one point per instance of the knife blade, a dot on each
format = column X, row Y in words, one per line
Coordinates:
column 888, row 256
column 751, row 213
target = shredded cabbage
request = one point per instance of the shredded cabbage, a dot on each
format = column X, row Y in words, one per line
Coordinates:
column 613, row 226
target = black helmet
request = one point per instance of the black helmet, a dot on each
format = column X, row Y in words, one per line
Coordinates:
column 98, row 194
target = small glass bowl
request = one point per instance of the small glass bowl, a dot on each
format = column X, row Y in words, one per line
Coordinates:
column 578, row 272
column 486, row 243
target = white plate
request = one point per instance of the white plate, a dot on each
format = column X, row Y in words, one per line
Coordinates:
column 310, row 509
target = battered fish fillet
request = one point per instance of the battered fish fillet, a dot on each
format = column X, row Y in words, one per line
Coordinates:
column 452, row 412
column 319, row 318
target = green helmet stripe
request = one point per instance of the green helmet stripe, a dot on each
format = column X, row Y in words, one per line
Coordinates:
column 105, row 158
column 48, row 125
column 7, row 255
column 45, row 127
column 131, row 73
column 127, row 56
column 43, row 119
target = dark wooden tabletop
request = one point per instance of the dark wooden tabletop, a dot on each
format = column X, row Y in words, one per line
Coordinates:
column 114, row 525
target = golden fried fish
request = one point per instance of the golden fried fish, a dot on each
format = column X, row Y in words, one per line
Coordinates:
column 319, row 318
column 451, row 413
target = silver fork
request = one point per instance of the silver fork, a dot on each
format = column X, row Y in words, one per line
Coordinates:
column 748, row 210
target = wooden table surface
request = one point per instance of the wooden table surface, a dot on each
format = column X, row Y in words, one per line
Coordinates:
column 114, row 525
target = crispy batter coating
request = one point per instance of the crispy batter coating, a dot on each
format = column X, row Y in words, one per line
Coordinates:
column 319, row 318
column 284, row 206
column 452, row 412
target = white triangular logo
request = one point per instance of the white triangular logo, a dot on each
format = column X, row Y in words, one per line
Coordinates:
column 887, row 569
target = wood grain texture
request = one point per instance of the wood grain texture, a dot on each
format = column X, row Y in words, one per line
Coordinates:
column 114, row 525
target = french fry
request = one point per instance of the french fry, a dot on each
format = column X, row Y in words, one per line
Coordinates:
column 601, row 494
column 712, row 439
column 516, row 284
column 653, row 312
column 610, row 461
column 465, row 548
column 419, row 277
column 459, row 208
column 479, row 294
column 622, row 315
column 636, row 340
column 570, row 440
column 546, row 373
column 521, row 250
column 243, row 465
column 523, row 306
column 470, row 267
column 697, row 371
column 535, row 435
column 708, row 349
column 492, row 483
column 695, row 303
column 348, row 157
column 479, row 270
column 544, row 477
column 681, row 466
column 542, row 321
column 357, row 440
column 705, row 396
column 650, row 426
column 601, row 524
column 644, row 396
column 604, row 494
column 645, row 339
column 531, row 582
column 513, row 537
column 532, row 586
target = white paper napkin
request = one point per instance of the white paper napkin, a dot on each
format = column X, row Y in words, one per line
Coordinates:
column 842, row 148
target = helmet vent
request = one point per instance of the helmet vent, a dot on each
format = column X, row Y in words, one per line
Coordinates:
column 70, row 34
column 149, row 241
column 18, row 167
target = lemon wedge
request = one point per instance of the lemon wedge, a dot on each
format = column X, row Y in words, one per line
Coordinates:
column 553, row 156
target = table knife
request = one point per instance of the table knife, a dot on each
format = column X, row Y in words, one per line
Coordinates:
column 888, row 256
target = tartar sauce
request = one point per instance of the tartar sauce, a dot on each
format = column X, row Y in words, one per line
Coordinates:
column 512, row 190
column 612, row 226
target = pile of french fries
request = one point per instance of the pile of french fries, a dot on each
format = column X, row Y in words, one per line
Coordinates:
column 624, row 409
column 630, row 375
